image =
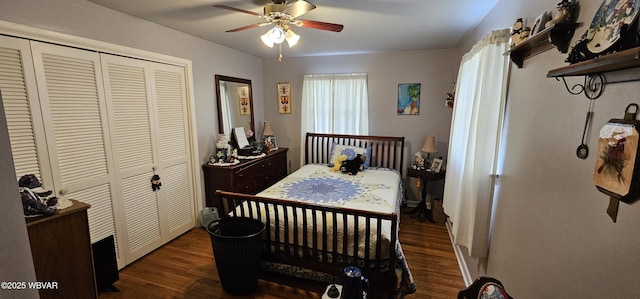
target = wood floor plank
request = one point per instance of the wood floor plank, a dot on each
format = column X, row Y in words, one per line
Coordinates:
column 185, row 268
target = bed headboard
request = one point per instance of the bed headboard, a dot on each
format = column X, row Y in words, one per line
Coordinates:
column 385, row 151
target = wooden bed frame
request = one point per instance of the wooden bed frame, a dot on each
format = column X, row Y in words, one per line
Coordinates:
column 385, row 152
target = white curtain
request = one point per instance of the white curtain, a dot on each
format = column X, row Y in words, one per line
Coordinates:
column 474, row 141
column 334, row 103
column 224, row 103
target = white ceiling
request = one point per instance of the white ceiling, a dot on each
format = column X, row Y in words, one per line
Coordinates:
column 369, row 25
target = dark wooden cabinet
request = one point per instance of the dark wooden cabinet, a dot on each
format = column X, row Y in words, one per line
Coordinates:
column 61, row 251
column 250, row 176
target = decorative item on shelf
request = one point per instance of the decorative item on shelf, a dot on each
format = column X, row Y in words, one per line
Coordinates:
column 540, row 23
column 268, row 139
column 451, row 97
column 617, row 168
column 614, row 28
column 566, row 12
column 517, row 32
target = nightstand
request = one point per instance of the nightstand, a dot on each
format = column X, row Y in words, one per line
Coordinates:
column 427, row 178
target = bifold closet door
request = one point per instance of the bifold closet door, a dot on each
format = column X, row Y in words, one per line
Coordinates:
column 174, row 153
column 72, row 100
column 21, row 104
column 96, row 127
column 146, row 107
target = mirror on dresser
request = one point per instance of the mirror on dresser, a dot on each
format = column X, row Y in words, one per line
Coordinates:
column 235, row 103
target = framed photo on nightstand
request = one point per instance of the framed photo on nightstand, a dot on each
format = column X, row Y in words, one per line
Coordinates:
column 436, row 165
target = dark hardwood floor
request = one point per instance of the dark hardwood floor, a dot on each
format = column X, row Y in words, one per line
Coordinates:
column 184, row 268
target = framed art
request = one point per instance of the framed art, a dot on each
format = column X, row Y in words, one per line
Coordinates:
column 284, row 98
column 243, row 99
column 539, row 23
column 270, row 143
column 436, row 165
column 409, row 99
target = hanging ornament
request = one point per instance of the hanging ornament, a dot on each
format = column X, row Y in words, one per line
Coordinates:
column 155, row 182
column 617, row 167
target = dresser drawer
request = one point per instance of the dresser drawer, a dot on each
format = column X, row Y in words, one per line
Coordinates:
column 248, row 186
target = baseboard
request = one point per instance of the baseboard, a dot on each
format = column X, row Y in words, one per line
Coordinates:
column 466, row 276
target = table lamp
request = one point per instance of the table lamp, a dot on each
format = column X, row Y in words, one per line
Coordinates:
column 266, row 130
column 267, row 137
column 429, row 147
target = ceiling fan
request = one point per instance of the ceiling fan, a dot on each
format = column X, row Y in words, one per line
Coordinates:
column 282, row 15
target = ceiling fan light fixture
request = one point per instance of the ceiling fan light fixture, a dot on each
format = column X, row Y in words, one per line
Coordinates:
column 266, row 40
column 292, row 38
column 276, row 35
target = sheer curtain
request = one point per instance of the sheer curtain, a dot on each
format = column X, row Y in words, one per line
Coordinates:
column 334, row 103
column 474, row 141
column 224, row 103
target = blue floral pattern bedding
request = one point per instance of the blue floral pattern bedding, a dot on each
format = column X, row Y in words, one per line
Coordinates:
column 375, row 189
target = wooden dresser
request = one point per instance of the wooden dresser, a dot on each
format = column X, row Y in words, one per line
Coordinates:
column 61, row 250
column 250, row 176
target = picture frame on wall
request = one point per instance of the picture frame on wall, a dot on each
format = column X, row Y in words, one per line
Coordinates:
column 284, row 98
column 408, row 99
column 243, row 100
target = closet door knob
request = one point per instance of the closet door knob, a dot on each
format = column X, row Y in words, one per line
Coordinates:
column 64, row 191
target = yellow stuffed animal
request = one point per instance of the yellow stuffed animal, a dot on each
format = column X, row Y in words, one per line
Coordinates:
column 338, row 162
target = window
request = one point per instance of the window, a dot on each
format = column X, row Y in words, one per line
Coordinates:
column 335, row 103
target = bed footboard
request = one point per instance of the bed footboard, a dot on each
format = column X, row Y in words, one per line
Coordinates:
column 314, row 244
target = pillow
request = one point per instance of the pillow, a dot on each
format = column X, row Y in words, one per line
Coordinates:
column 350, row 151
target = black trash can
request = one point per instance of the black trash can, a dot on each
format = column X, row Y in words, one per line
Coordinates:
column 236, row 244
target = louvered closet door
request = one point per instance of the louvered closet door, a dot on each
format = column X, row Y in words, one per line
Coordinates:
column 129, row 95
column 177, row 192
column 74, row 114
column 147, row 112
column 20, row 99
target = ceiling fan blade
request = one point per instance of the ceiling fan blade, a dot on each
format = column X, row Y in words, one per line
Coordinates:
column 319, row 25
column 248, row 27
column 238, row 10
column 298, row 8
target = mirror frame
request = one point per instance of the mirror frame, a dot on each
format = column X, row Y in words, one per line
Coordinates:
column 219, row 78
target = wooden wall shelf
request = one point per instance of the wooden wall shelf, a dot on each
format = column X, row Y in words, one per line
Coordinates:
column 557, row 36
column 612, row 62
column 619, row 66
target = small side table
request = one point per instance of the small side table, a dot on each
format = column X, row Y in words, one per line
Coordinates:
column 427, row 177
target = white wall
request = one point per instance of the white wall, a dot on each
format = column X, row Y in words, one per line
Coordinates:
column 15, row 251
column 552, row 236
column 85, row 19
column 434, row 69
